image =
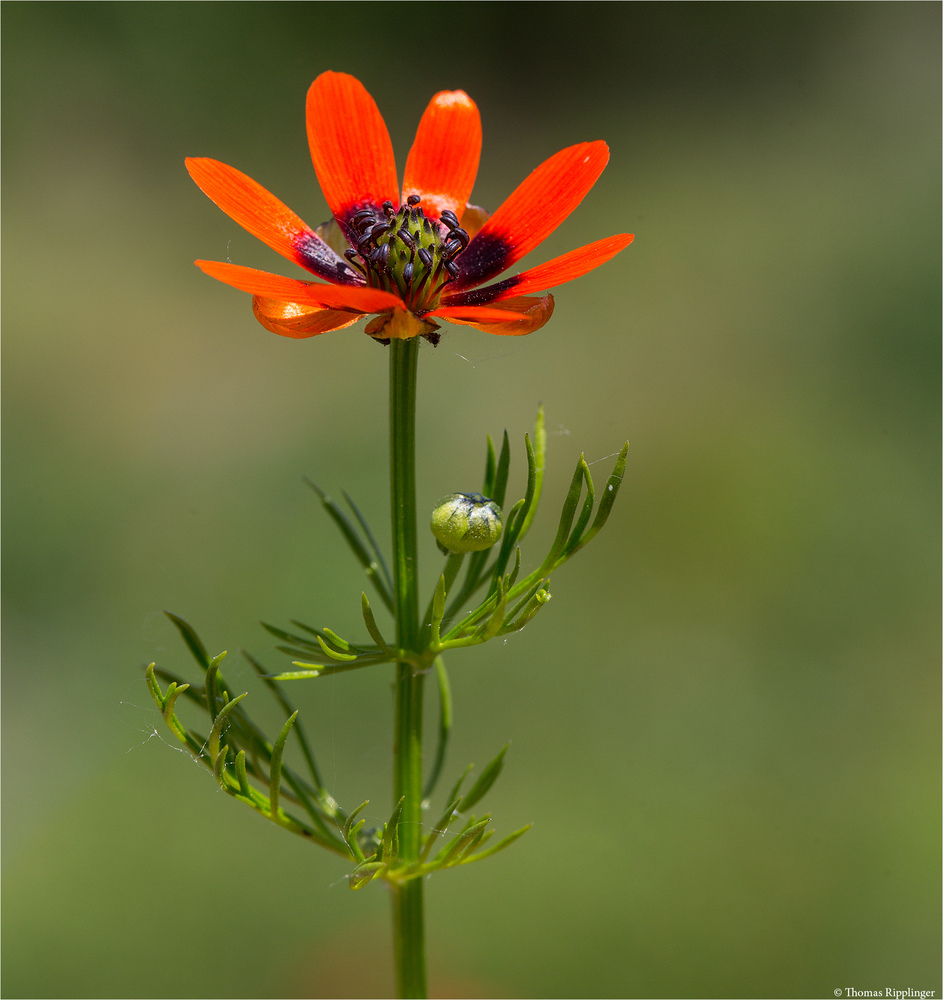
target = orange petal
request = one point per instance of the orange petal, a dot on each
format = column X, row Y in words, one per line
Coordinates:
column 529, row 314
column 571, row 265
column 473, row 219
column 274, row 286
column 292, row 319
column 263, row 215
column 532, row 212
column 555, row 272
column 443, row 161
column 478, row 314
column 350, row 146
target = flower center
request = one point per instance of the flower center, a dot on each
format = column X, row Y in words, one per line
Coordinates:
column 405, row 253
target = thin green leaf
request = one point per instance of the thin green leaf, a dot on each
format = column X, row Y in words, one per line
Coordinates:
column 474, row 618
column 335, row 654
column 445, row 726
column 365, row 873
column 485, row 780
column 499, row 488
column 441, row 827
column 288, row 708
column 362, row 521
column 169, row 700
column 218, row 723
column 296, row 675
column 307, row 655
column 324, row 804
column 490, row 630
column 460, row 842
column 346, row 528
column 438, row 611
column 219, row 766
column 508, row 840
column 241, row 776
column 481, row 836
column 608, row 497
column 585, row 513
column 192, row 640
column 537, row 601
column 487, row 486
column 526, row 597
column 536, row 460
column 452, row 565
column 165, row 705
column 512, row 576
column 213, row 683
column 355, row 543
column 348, row 827
column 321, row 635
column 507, row 545
column 438, row 602
column 453, row 794
column 154, row 687
column 569, row 510
column 298, row 640
column 371, row 623
column 353, row 841
column 275, row 768
column 308, row 670
column 432, row 620
column 473, row 580
column 193, row 692
column 387, row 849
column 344, row 645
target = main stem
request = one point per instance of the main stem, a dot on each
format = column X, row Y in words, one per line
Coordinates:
column 408, row 926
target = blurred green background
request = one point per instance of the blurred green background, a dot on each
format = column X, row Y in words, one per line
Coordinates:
column 725, row 725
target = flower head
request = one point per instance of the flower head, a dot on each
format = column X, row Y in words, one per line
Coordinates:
column 408, row 258
column 466, row 522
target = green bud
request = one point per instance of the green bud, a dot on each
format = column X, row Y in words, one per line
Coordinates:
column 466, row 522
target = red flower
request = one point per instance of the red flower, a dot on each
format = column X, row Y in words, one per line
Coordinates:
column 413, row 258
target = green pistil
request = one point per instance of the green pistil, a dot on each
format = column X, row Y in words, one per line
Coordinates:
column 405, row 253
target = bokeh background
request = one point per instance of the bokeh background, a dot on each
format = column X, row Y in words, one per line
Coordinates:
column 724, row 726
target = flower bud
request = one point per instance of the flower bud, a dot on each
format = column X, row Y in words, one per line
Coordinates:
column 466, row 522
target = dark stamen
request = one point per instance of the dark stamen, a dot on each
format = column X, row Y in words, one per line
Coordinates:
column 459, row 234
column 405, row 252
column 350, row 254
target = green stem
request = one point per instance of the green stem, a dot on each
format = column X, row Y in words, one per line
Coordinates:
column 408, row 926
